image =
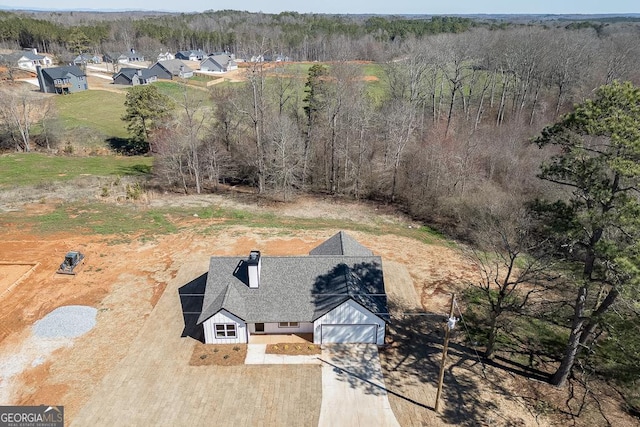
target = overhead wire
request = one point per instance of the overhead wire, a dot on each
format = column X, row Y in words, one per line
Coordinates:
column 484, row 374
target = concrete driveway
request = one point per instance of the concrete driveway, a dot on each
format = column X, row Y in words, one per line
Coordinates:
column 353, row 391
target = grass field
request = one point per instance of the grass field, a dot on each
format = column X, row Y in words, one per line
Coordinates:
column 33, row 168
column 128, row 220
column 96, row 110
column 175, row 90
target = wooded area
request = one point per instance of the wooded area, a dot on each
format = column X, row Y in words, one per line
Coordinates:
column 457, row 128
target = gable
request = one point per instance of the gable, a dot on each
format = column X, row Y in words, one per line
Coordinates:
column 341, row 244
column 350, row 312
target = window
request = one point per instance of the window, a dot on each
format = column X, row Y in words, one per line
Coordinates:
column 225, row 330
column 288, row 325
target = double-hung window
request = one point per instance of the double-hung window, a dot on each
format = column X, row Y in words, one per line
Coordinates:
column 288, row 325
column 225, row 330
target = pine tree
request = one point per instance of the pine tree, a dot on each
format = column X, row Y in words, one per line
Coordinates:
column 596, row 227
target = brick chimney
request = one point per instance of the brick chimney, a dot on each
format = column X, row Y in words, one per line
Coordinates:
column 254, row 263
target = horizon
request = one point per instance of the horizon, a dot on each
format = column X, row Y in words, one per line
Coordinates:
column 107, row 10
column 336, row 7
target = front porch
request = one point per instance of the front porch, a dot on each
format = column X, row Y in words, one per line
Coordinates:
column 304, row 338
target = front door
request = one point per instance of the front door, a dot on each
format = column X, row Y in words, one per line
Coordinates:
column 259, row 328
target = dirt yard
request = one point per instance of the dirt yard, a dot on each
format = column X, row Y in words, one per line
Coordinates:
column 133, row 363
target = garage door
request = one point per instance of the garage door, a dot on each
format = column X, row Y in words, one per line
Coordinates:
column 348, row 334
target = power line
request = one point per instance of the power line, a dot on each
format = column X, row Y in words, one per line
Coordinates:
column 466, row 328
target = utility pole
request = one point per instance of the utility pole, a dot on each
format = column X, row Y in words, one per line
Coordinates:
column 451, row 323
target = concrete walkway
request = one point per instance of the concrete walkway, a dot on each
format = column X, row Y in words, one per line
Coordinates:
column 353, row 391
column 256, row 355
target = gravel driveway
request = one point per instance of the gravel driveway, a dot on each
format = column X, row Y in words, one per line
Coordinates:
column 353, row 391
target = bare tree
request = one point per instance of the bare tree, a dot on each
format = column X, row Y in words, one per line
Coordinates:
column 284, row 159
column 510, row 264
column 19, row 110
column 191, row 121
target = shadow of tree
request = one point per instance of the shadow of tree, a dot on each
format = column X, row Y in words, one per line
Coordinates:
column 191, row 299
column 411, row 364
column 135, row 170
column 371, row 383
column 128, row 146
column 361, row 282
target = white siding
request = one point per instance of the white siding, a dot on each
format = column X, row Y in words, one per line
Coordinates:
column 273, row 328
column 224, row 317
column 349, row 313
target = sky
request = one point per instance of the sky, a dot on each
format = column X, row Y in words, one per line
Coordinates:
column 438, row 7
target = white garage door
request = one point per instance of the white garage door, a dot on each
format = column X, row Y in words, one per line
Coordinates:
column 349, row 334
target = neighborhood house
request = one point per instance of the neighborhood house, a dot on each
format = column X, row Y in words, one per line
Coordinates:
column 86, row 58
column 134, row 76
column 29, row 59
column 163, row 56
column 191, row 55
column 62, row 80
column 218, row 63
column 122, row 58
column 171, row 68
column 334, row 295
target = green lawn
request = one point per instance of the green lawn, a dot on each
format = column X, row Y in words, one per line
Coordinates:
column 31, row 169
column 96, row 110
column 175, row 90
column 375, row 88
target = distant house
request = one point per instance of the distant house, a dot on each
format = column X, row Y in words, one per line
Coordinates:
column 62, row 80
column 134, row 76
column 218, row 63
column 86, row 58
column 333, row 295
column 123, row 58
column 163, row 56
column 170, row 69
column 191, row 55
column 30, row 59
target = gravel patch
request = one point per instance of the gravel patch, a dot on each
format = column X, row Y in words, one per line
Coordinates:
column 66, row 322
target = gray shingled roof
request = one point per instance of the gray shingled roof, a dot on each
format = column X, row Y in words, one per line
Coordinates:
column 294, row 289
column 62, row 72
column 341, row 244
column 130, row 72
column 187, row 53
column 221, row 61
column 31, row 56
column 173, row 66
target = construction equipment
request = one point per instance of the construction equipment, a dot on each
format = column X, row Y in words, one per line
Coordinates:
column 71, row 260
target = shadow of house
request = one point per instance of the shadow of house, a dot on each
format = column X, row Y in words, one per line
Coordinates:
column 191, row 299
column 241, row 272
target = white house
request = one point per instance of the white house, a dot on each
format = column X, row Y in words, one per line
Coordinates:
column 163, row 56
column 30, row 59
column 336, row 294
